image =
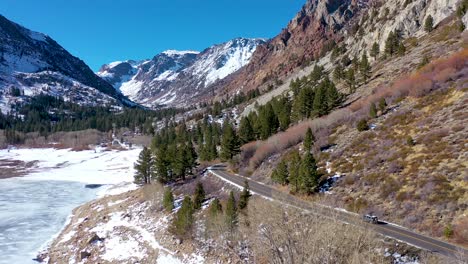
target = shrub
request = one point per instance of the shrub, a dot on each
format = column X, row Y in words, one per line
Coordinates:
column 362, row 125
column 410, row 141
column 448, row 231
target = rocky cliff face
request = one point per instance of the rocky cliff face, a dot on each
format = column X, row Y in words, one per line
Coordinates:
column 33, row 63
column 312, row 32
column 178, row 78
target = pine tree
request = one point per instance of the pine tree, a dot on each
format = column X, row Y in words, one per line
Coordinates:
column 168, row 200
column 215, row 208
column 144, row 167
column 382, row 105
column 375, row 50
column 401, row 49
column 429, row 24
column 338, row 73
column 162, row 165
column 230, row 145
column 308, row 174
column 373, row 111
column 231, row 211
column 244, row 196
column 351, row 80
column 183, row 221
column 392, row 43
column 280, row 173
column 333, row 96
column 294, row 165
column 365, row 68
column 246, row 132
column 320, row 104
column 199, row 196
column 268, row 121
column 308, row 140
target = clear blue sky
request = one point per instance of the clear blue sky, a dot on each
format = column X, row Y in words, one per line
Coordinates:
column 101, row 31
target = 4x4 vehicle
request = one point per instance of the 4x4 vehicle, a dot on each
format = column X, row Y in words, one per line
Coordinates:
column 370, row 219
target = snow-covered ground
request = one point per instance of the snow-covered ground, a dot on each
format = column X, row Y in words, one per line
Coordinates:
column 34, row 208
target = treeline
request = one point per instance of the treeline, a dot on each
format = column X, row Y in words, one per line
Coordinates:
column 175, row 150
column 313, row 96
column 48, row 114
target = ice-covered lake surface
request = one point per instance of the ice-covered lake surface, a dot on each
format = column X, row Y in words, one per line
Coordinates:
column 35, row 207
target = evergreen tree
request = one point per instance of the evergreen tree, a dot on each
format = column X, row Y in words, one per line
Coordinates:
column 320, row 104
column 280, row 173
column 294, row 165
column 215, row 208
column 338, row 73
column 382, row 105
column 183, row 221
column 373, row 111
column 246, row 132
column 244, row 196
column 392, row 43
column 351, row 80
column 333, row 96
column 231, row 211
column 199, row 196
column 429, row 24
column 308, row 174
column 308, row 140
column 144, row 167
column 365, row 68
column 168, row 200
column 162, row 165
column 401, row 49
column 375, row 50
column 268, row 121
column 230, row 145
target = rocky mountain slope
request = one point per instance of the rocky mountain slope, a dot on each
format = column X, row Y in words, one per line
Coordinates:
column 32, row 63
column 320, row 25
column 177, row 78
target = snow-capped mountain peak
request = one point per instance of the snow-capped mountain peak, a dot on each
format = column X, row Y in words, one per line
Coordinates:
column 179, row 53
column 175, row 77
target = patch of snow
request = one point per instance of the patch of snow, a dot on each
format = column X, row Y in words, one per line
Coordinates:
column 131, row 88
column 37, row 36
column 179, row 53
column 167, row 259
column 122, row 249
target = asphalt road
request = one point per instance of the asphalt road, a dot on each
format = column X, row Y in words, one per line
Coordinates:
column 384, row 228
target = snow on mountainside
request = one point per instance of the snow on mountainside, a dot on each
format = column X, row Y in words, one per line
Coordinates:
column 176, row 78
column 33, row 63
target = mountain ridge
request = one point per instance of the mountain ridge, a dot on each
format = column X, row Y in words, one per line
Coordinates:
column 174, row 77
column 34, row 63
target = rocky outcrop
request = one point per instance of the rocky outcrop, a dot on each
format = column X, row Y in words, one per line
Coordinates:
column 357, row 23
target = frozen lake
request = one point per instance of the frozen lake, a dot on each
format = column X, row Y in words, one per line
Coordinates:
column 34, row 208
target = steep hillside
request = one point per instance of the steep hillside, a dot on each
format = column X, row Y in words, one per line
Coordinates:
column 177, row 78
column 32, row 63
column 321, row 26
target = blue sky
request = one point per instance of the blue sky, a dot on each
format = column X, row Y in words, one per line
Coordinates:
column 101, row 31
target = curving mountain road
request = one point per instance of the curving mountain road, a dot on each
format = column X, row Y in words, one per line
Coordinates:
column 384, row 228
